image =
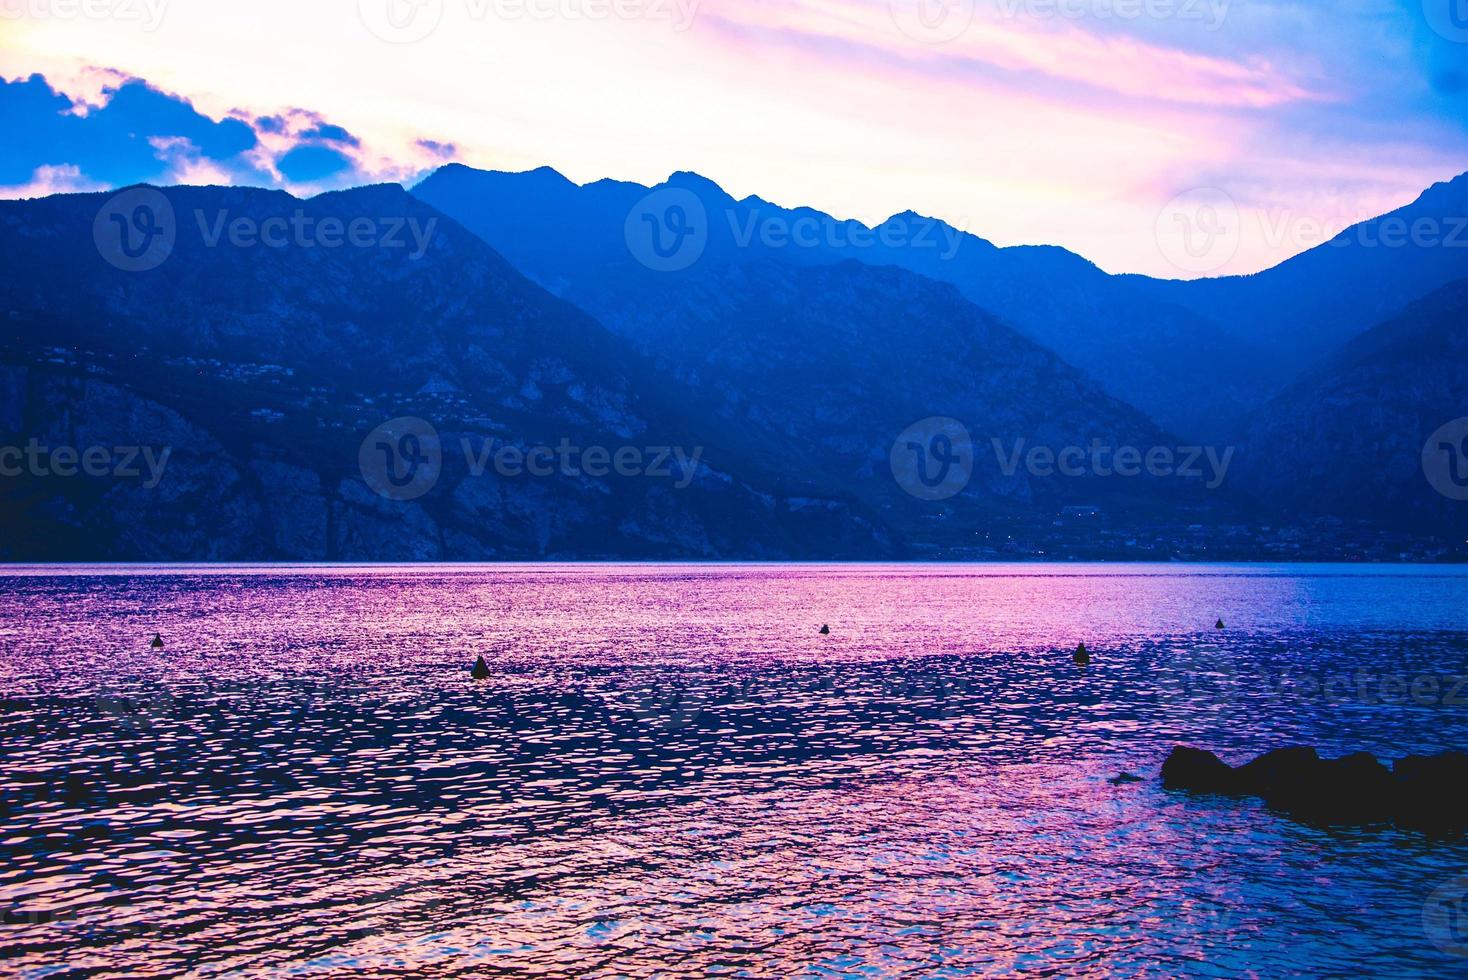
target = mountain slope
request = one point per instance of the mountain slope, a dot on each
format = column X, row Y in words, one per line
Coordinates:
column 277, row 333
column 1305, row 308
column 1144, row 351
column 1348, row 439
column 817, row 367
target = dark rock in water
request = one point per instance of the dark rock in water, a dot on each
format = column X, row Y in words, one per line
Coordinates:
column 1123, row 779
column 1218, row 625
column 1198, row 771
column 825, row 631
column 1273, row 770
column 481, row 670
column 1355, row 789
column 1447, row 766
column 157, row 643
column 1432, row 791
column 1083, row 656
column 1420, row 792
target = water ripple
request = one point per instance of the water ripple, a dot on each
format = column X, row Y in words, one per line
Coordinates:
column 671, row 772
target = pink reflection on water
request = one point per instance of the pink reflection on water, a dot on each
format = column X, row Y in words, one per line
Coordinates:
column 672, row 772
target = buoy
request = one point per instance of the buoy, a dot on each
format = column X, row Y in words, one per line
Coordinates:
column 826, row 630
column 1218, row 625
column 480, row 671
column 1083, row 657
column 157, row 643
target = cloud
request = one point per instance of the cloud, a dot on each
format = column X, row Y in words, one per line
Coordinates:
column 187, row 164
column 1068, row 122
column 438, row 151
column 114, row 143
column 1442, row 49
column 126, row 131
column 327, row 133
column 1027, row 52
column 48, row 180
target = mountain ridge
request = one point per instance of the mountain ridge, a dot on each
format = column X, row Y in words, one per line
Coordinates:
column 1139, row 348
column 798, row 371
column 1307, row 306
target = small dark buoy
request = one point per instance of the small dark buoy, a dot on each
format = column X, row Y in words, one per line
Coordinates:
column 1218, row 625
column 1123, row 779
column 1083, row 657
column 825, row 630
column 157, row 643
column 481, row 670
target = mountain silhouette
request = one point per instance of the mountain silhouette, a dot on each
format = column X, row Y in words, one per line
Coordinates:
column 1142, row 350
column 822, row 360
column 846, row 395
column 1304, row 309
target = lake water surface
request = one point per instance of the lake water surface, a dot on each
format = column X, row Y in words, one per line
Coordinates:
column 671, row 772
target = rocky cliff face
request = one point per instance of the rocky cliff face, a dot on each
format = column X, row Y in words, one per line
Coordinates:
column 200, row 508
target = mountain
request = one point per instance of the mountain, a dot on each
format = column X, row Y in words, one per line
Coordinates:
column 261, row 341
column 1181, row 368
column 1355, row 437
column 1306, row 308
column 816, row 367
column 216, row 373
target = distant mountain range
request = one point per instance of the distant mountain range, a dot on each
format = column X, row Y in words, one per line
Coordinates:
column 1302, row 310
column 1183, row 369
column 818, row 371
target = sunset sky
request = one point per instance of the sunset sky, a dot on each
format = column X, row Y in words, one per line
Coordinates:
column 1070, row 122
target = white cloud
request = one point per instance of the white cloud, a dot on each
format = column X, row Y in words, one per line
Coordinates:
column 65, row 178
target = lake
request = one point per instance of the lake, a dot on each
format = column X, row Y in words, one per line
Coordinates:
column 672, row 771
